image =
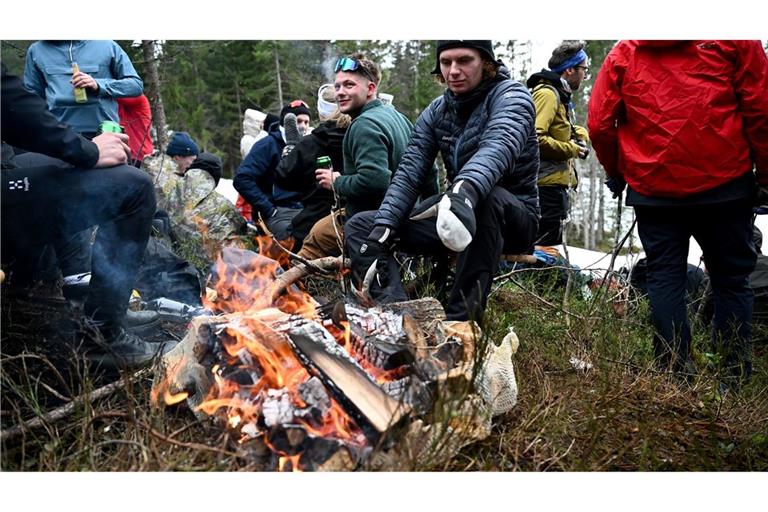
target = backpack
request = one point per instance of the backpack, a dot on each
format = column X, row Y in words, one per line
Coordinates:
column 164, row 274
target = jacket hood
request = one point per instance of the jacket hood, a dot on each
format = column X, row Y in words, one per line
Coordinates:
column 547, row 76
column 328, row 131
column 551, row 78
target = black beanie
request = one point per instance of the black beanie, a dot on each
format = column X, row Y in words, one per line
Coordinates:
column 299, row 108
column 181, row 144
column 485, row 47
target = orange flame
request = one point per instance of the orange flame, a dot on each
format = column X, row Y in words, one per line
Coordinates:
column 282, row 462
column 171, row 399
column 242, row 282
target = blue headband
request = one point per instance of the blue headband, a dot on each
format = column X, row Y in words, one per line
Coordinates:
column 575, row 59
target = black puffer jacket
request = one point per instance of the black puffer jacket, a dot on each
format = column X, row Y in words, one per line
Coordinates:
column 493, row 144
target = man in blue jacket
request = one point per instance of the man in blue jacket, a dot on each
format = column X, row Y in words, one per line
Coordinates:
column 255, row 178
column 63, row 190
column 106, row 73
column 483, row 125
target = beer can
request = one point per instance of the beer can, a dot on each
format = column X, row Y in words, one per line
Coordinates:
column 110, row 127
column 323, row 162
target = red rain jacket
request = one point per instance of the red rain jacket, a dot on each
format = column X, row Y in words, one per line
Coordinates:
column 676, row 118
column 136, row 118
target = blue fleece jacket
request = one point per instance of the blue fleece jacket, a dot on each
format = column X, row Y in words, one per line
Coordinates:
column 255, row 178
column 48, row 72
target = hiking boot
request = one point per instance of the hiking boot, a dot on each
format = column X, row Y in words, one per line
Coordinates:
column 121, row 350
column 75, row 287
column 141, row 321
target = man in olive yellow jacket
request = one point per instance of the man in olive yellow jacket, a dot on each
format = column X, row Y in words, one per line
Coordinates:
column 560, row 141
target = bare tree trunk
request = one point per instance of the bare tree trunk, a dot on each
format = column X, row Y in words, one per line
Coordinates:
column 152, row 80
column 279, row 81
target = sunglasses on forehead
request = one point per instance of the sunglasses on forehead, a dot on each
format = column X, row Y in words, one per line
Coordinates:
column 297, row 103
column 350, row 64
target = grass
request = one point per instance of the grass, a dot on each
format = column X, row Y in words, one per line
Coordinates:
column 619, row 415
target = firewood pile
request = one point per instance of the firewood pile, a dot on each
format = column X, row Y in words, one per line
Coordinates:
column 308, row 387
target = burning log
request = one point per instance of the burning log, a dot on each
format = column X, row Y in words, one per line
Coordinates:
column 312, row 387
column 349, row 383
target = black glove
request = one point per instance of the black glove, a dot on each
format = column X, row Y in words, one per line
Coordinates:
column 616, row 185
column 455, row 216
column 583, row 148
column 762, row 195
column 371, row 260
column 292, row 133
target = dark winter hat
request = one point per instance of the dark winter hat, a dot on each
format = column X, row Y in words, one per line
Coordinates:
column 181, row 145
column 485, row 47
column 296, row 107
column 270, row 121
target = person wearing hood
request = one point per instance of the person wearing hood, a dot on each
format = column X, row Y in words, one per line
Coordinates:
column 560, row 141
column 683, row 125
column 105, row 73
column 483, row 126
column 255, row 178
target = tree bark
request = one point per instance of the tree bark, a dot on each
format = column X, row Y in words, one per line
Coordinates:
column 153, row 91
column 279, row 81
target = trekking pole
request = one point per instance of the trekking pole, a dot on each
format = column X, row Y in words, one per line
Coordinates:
column 141, row 147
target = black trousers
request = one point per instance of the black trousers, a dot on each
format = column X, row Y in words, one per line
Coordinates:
column 49, row 201
column 71, row 256
column 553, row 201
column 724, row 232
column 504, row 225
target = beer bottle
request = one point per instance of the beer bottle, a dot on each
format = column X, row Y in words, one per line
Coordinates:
column 81, row 96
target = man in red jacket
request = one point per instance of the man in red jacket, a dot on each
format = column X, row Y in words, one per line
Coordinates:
column 685, row 125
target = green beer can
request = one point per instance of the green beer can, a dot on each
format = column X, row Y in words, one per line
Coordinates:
column 323, row 162
column 110, row 127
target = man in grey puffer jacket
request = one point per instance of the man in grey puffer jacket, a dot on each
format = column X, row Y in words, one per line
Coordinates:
column 483, row 125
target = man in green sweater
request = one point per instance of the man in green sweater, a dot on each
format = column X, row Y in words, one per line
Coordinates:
column 372, row 148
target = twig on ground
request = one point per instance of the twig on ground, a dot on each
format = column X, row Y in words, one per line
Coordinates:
column 67, row 409
column 545, row 301
column 193, row 446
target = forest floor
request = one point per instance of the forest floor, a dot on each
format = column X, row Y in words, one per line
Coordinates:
column 620, row 414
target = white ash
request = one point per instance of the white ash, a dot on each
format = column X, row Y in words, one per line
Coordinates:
column 377, row 322
column 277, row 408
column 315, row 396
column 251, row 430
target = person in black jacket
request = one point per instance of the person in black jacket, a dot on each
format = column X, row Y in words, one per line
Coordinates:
column 296, row 170
column 483, row 125
column 255, row 178
column 74, row 183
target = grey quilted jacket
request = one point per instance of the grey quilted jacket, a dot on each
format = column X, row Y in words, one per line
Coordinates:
column 494, row 145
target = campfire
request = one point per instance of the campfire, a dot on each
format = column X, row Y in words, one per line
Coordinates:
column 337, row 386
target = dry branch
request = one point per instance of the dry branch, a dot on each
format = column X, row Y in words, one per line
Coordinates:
column 67, row 409
column 295, row 274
